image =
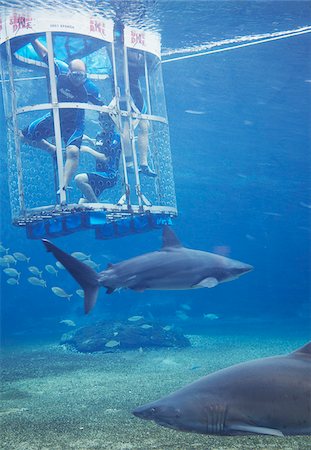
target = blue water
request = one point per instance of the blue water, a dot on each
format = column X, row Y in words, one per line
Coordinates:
column 240, row 139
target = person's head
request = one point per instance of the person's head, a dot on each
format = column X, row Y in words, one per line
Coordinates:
column 135, row 58
column 77, row 72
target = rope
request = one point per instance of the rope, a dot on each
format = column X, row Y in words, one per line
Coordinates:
column 233, row 47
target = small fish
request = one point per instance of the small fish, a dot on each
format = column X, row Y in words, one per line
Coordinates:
column 12, row 272
column 115, row 333
column 3, row 250
column 211, row 316
column 9, row 259
column 4, row 263
column 185, row 307
column 134, row 318
column 192, row 111
column 21, row 257
column 12, row 281
column 37, row 281
column 68, row 322
column 35, row 271
column 146, row 326
column 305, row 205
column 59, row 265
column 195, row 367
column 167, row 328
column 51, row 269
column 80, row 256
column 60, row 292
column 273, row 214
column 80, row 293
column 250, row 237
column 181, row 315
column 112, row 343
column 91, row 264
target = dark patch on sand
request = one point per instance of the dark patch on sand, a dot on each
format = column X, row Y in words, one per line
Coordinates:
column 13, row 394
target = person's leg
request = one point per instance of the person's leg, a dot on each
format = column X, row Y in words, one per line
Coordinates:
column 36, row 133
column 95, row 153
column 71, row 164
column 42, row 145
column 143, row 148
column 143, row 142
column 82, row 182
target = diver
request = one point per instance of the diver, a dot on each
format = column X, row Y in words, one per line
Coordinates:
column 136, row 70
column 72, row 86
column 108, row 145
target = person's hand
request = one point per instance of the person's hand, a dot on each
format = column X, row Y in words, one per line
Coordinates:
column 102, row 157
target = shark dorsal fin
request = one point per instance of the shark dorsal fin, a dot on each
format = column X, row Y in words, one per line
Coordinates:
column 170, row 240
column 305, row 349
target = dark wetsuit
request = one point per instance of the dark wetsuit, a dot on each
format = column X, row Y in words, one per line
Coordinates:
column 135, row 72
column 105, row 177
column 72, row 121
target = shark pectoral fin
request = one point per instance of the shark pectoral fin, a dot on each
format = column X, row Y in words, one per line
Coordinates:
column 256, row 430
column 110, row 290
column 209, row 282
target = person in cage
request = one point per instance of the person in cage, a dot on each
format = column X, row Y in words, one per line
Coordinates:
column 72, row 86
column 107, row 143
column 136, row 70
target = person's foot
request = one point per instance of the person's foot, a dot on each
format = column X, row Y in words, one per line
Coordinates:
column 64, row 188
column 82, row 200
column 145, row 170
column 130, row 169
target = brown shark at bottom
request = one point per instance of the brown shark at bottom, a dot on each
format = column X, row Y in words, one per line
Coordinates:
column 269, row 396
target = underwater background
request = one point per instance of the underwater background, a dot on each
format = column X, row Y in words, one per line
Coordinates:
column 240, row 141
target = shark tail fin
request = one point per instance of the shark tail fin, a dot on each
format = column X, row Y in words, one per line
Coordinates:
column 82, row 273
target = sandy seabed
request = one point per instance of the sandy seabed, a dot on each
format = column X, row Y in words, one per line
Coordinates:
column 57, row 400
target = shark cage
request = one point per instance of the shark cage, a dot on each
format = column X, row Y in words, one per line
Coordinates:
column 119, row 124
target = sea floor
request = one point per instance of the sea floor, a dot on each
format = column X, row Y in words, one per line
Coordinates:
column 56, row 399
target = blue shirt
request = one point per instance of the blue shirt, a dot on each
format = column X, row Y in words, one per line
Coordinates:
column 68, row 92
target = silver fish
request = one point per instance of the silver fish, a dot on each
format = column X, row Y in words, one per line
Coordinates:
column 12, row 272
column 9, row 259
column 35, row 271
column 59, row 265
column 112, row 343
column 60, row 292
column 21, row 257
column 3, row 250
column 51, row 269
column 12, row 281
column 80, row 256
column 37, row 281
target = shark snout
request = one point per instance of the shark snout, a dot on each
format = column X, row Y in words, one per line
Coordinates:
column 246, row 268
column 144, row 412
column 163, row 414
column 241, row 268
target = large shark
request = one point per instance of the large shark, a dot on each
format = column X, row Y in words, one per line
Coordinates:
column 173, row 267
column 266, row 396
